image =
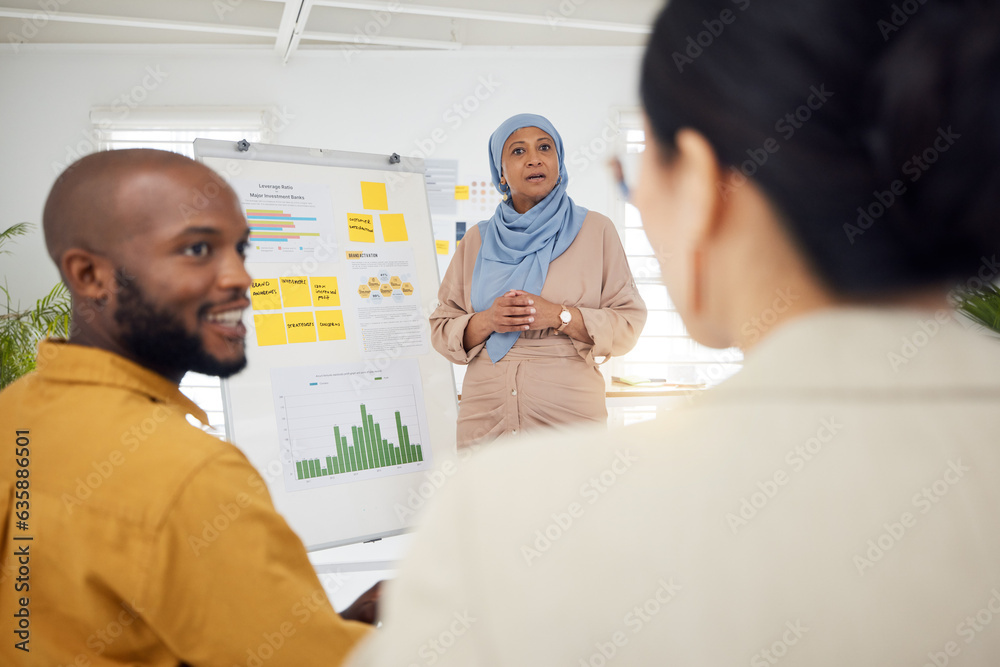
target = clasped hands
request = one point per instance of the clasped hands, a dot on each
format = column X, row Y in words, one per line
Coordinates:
column 518, row 310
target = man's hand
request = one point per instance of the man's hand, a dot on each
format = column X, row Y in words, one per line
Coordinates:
column 365, row 608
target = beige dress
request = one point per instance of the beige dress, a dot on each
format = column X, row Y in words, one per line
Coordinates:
column 547, row 378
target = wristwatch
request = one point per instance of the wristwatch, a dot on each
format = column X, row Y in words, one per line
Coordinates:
column 565, row 317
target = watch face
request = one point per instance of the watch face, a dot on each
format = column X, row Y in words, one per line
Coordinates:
column 565, row 316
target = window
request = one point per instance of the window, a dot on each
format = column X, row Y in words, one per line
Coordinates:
column 174, row 129
column 664, row 351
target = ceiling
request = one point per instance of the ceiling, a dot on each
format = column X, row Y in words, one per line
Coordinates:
column 290, row 25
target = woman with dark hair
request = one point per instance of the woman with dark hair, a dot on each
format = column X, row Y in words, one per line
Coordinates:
column 820, row 175
column 534, row 295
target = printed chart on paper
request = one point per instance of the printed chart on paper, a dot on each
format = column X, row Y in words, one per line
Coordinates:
column 288, row 222
column 350, row 422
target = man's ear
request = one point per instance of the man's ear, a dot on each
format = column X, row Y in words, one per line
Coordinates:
column 87, row 274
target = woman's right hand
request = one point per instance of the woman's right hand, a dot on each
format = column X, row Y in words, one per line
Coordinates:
column 512, row 311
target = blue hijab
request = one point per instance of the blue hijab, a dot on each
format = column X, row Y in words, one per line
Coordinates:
column 517, row 248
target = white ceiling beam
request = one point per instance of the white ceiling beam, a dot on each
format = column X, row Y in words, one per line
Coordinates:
column 300, row 26
column 132, row 22
column 551, row 19
column 403, row 42
column 289, row 16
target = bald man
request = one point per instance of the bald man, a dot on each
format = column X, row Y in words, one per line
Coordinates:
column 132, row 537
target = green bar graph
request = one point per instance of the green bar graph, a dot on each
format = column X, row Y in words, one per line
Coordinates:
column 370, row 450
column 338, row 462
column 367, row 443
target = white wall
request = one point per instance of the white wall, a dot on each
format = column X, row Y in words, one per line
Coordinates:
column 380, row 102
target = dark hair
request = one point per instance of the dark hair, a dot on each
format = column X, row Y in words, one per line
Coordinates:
column 880, row 88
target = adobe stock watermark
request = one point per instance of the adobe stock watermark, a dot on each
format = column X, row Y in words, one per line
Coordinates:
column 272, row 641
column 596, row 148
column 122, row 105
column 968, row 630
column 635, row 620
column 223, row 7
column 102, row 470
column 591, row 491
column 213, row 527
column 434, row 480
column 786, row 127
column 101, row 639
column 911, row 345
column 771, row 655
column 564, row 11
column 456, row 115
column 901, row 13
column 364, row 35
column 434, row 648
column 714, row 28
column 923, row 501
column 915, row 168
column 30, row 27
column 757, row 326
column 752, row 329
column 796, row 458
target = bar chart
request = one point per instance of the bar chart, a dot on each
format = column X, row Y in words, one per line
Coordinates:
column 277, row 226
column 368, row 451
column 288, row 221
column 345, row 423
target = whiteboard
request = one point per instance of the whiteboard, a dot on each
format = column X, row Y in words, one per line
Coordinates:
column 344, row 407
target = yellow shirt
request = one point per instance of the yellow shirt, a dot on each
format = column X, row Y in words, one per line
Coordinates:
column 144, row 540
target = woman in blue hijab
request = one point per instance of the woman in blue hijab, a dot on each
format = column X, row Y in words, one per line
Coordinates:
column 534, row 296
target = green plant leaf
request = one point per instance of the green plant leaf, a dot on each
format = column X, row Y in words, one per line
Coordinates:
column 981, row 305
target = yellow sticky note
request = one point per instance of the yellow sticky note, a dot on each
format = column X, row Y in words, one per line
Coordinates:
column 331, row 324
column 373, row 196
column 301, row 327
column 393, row 227
column 295, row 292
column 442, row 247
column 270, row 329
column 461, row 192
column 264, row 294
column 361, row 228
column 325, row 291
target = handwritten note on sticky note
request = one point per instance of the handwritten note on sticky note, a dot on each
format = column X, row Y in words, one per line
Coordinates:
column 325, row 292
column 393, row 227
column 360, row 228
column 331, row 324
column 442, row 247
column 270, row 329
column 461, row 192
column 301, row 327
column 264, row 294
column 295, row 292
column 373, row 196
